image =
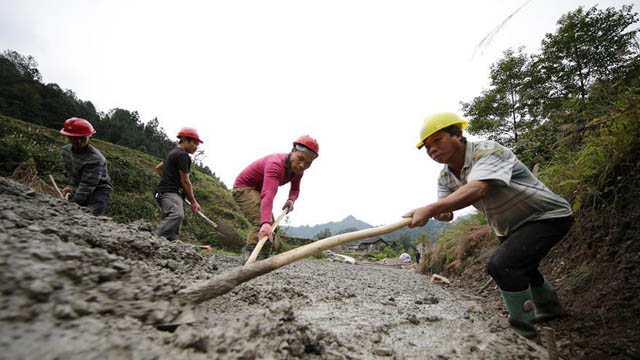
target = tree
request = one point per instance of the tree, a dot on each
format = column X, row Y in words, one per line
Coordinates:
column 24, row 96
column 404, row 241
column 325, row 233
column 503, row 112
column 588, row 46
column 26, row 65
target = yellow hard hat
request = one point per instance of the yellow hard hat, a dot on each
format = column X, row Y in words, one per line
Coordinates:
column 437, row 122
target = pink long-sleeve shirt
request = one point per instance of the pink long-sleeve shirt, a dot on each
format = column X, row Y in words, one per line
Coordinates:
column 265, row 175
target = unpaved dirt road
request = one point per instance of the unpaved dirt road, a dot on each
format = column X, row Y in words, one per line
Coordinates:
column 79, row 287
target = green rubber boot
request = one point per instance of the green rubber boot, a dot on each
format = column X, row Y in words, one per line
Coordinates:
column 521, row 313
column 547, row 305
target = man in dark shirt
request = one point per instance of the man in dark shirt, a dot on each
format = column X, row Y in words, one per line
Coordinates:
column 89, row 182
column 175, row 184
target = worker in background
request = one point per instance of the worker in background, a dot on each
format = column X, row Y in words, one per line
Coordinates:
column 175, row 184
column 257, row 185
column 89, row 183
column 527, row 217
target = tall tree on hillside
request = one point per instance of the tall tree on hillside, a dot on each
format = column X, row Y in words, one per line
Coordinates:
column 588, row 46
column 502, row 112
column 26, row 65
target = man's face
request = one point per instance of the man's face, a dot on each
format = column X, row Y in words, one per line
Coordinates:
column 191, row 146
column 300, row 161
column 78, row 142
column 441, row 146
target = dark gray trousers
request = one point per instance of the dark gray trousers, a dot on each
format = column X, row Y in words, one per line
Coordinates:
column 98, row 202
column 172, row 207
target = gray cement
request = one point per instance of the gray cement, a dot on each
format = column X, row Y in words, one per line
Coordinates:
column 75, row 286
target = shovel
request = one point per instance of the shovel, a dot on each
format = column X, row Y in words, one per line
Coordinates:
column 263, row 240
column 226, row 232
column 226, row 281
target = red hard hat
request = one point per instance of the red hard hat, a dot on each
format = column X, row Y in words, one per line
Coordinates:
column 190, row 132
column 77, row 127
column 308, row 142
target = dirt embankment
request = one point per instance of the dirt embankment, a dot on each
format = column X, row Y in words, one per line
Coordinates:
column 79, row 287
column 596, row 270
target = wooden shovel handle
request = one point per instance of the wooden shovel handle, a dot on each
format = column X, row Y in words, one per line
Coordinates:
column 263, row 240
column 203, row 216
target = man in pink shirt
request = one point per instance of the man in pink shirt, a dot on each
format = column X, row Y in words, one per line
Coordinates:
column 257, row 185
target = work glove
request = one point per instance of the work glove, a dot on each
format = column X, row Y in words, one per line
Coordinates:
column 265, row 230
column 195, row 207
column 288, row 204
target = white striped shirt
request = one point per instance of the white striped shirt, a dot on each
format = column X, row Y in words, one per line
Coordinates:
column 515, row 195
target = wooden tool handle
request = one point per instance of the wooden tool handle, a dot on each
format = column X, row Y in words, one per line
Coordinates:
column 263, row 240
column 203, row 215
column 325, row 244
column 226, row 281
column 56, row 186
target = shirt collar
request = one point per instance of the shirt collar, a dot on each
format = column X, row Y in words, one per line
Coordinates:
column 80, row 151
column 468, row 155
column 468, row 158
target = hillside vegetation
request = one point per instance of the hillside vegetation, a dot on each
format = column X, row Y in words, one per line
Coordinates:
column 132, row 173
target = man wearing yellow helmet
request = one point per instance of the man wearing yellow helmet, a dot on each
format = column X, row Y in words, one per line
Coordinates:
column 527, row 217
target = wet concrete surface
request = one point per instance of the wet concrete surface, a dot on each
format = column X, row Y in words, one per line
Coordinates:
column 76, row 286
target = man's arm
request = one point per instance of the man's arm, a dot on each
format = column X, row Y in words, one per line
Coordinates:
column 188, row 189
column 446, row 216
column 294, row 191
column 88, row 182
column 466, row 195
column 159, row 168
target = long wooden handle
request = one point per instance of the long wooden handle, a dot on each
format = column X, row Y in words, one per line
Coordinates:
column 263, row 240
column 56, row 186
column 203, row 216
column 325, row 244
column 226, row 281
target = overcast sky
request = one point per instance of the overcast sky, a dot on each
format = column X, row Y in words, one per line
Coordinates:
column 251, row 76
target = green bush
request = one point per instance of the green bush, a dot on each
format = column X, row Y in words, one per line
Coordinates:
column 386, row 252
column 607, row 154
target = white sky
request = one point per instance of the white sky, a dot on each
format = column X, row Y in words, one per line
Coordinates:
column 251, row 76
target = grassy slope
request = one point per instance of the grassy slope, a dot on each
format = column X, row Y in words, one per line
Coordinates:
column 131, row 172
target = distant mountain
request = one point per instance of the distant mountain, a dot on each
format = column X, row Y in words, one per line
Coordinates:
column 350, row 223
column 309, row 232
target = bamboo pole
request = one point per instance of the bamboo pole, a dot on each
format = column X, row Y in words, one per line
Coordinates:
column 263, row 240
column 226, row 281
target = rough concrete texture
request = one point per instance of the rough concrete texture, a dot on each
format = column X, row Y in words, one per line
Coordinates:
column 75, row 286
